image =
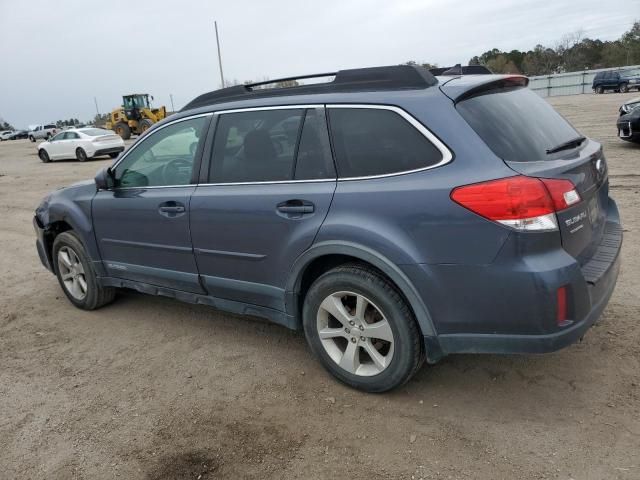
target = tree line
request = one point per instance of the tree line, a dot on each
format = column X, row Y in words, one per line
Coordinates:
column 573, row 52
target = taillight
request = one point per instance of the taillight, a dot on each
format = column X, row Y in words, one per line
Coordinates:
column 562, row 192
column 523, row 203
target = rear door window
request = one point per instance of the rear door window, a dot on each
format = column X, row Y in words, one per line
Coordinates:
column 255, row 146
column 376, row 141
column 517, row 124
column 271, row 145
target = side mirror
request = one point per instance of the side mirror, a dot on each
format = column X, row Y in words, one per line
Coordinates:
column 104, row 179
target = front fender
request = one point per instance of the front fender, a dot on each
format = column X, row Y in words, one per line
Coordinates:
column 72, row 206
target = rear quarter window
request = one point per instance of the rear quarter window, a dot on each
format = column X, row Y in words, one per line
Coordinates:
column 374, row 141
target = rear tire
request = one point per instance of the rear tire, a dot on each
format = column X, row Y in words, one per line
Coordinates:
column 114, row 155
column 376, row 345
column 624, row 88
column 75, row 273
column 81, row 155
column 32, row 139
column 123, row 129
column 600, row 90
column 44, row 156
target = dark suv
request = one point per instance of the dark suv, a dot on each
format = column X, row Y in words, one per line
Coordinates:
column 392, row 215
column 616, row 81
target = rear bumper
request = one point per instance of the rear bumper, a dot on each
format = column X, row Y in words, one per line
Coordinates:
column 502, row 343
column 509, row 306
column 108, row 150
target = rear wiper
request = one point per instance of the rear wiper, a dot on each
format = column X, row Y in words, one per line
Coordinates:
column 574, row 142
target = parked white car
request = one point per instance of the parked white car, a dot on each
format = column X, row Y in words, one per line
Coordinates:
column 5, row 134
column 81, row 143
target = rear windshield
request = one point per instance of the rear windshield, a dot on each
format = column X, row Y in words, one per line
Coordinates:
column 517, row 124
column 96, row 132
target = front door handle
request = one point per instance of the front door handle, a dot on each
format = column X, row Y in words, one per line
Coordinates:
column 296, row 208
column 171, row 209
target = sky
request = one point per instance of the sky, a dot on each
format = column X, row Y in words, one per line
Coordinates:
column 58, row 55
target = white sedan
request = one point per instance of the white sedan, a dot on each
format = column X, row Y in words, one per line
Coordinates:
column 81, row 143
column 5, row 134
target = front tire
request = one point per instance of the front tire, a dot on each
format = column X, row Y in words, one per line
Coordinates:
column 145, row 125
column 362, row 330
column 600, row 90
column 122, row 129
column 624, row 88
column 114, row 155
column 76, row 275
column 33, row 140
column 44, row 156
column 81, row 155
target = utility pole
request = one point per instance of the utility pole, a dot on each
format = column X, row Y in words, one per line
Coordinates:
column 215, row 25
column 173, row 109
column 96, row 102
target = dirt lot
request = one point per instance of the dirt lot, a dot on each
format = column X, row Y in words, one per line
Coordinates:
column 152, row 388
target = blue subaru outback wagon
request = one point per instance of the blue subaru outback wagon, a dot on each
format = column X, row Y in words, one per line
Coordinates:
column 393, row 216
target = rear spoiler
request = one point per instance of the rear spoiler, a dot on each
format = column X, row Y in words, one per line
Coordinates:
column 462, row 88
column 461, row 70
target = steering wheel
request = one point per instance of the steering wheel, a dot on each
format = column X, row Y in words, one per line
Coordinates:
column 177, row 172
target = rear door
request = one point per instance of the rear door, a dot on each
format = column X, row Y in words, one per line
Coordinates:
column 267, row 190
column 534, row 140
column 142, row 224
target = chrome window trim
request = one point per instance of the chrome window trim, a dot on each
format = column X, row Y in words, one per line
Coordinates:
column 273, row 107
column 274, row 182
column 141, row 141
column 447, row 155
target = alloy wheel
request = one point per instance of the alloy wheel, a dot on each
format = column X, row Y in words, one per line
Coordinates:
column 355, row 333
column 72, row 273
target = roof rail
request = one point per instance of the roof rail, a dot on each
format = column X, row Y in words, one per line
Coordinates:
column 395, row 77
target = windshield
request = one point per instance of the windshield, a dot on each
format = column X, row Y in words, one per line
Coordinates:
column 517, row 124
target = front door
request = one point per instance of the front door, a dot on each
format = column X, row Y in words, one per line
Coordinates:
column 142, row 224
column 55, row 147
column 270, row 185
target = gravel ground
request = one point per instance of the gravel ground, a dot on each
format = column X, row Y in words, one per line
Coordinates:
column 153, row 388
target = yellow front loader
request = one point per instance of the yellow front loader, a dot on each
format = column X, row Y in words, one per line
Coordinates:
column 135, row 115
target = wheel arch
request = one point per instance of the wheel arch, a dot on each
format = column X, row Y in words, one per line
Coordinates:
column 326, row 255
column 66, row 216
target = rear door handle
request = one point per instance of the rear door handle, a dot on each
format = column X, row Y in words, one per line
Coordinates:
column 296, row 207
column 177, row 209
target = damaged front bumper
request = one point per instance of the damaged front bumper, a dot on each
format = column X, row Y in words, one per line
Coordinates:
column 41, row 244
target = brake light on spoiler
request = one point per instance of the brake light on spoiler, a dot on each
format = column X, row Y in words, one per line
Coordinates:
column 522, row 203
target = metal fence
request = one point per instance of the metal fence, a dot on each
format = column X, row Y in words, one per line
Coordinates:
column 570, row 83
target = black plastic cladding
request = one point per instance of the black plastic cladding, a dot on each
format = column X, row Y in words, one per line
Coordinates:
column 359, row 79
